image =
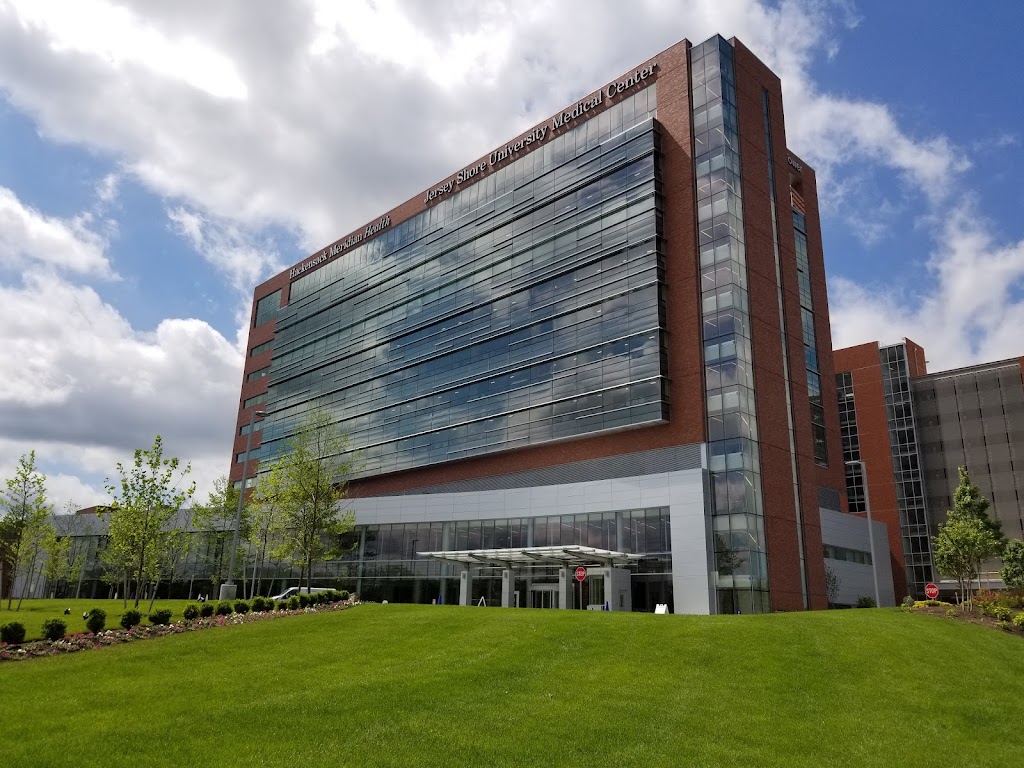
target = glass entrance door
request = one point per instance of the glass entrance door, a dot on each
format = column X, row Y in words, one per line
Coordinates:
column 544, row 596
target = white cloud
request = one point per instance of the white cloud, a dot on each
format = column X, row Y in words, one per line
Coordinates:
column 29, row 239
column 971, row 308
column 316, row 117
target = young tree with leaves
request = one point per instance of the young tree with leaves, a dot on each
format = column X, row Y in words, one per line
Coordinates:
column 25, row 522
column 216, row 520
column 968, row 501
column 1012, row 572
column 963, row 543
column 266, row 521
column 313, row 480
column 144, row 502
column 832, row 583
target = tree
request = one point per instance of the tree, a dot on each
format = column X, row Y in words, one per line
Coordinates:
column 25, row 522
column 968, row 501
column 313, row 479
column 1012, row 572
column 963, row 543
column 60, row 564
column 144, row 501
column 216, row 519
column 832, row 582
column 266, row 521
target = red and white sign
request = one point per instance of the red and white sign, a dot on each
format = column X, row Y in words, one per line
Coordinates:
column 931, row 591
column 581, row 573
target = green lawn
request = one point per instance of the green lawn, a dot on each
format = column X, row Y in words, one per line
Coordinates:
column 34, row 612
column 421, row 685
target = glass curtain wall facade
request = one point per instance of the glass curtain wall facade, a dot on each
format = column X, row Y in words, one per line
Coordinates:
column 855, row 495
column 906, row 467
column 803, row 274
column 525, row 308
column 382, row 564
column 734, row 462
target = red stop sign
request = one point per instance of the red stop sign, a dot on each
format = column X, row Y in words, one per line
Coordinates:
column 931, row 591
column 581, row 573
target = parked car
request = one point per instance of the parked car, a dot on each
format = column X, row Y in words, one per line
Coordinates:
column 296, row 591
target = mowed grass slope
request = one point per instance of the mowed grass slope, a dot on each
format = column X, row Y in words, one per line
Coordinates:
column 422, row 685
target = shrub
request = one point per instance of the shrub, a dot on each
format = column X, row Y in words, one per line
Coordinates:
column 12, row 633
column 343, row 595
column 293, row 603
column 131, row 618
column 191, row 612
column 206, row 610
column 908, row 602
column 866, row 601
column 258, row 604
column 96, row 620
column 1004, row 625
column 1018, row 621
column 1000, row 613
column 950, row 612
column 163, row 616
column 224, row 608
column 54, row 629
column 303, row 601
column 241, row 607
column 284, row 605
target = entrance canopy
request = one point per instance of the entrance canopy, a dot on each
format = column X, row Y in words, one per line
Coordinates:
column 504, row 558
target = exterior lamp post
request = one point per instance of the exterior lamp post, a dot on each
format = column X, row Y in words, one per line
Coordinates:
column 871, row 533
column 229, row 589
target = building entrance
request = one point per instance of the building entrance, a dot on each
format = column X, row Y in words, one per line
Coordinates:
column 544, row 596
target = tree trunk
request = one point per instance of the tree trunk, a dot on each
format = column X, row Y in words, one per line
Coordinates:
column 152, row 597
column 28, row 578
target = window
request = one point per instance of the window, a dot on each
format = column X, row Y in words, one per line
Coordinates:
column 257, row 374
column 267, row 308
column 261, row 348
column 256, row 399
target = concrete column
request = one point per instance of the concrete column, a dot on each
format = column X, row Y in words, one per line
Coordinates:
column 508, row 583
column 465, row 586
column 565, row 584
column 618, row 589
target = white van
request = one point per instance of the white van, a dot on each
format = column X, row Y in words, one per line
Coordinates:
column 296, row 591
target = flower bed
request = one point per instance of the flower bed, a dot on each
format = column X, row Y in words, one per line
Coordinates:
column 88, row 641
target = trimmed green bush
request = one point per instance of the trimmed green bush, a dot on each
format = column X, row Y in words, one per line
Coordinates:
column 343, row 595
column 241, row 607
column 12, row 633
column 54, row 629
column 866, row 601
column 1001, row 613
column 191, row 612
column 303, row 601
column 224, row 608
column 258, row 604
column 131, row 618
column 282, row 605
column 163, row 616
column 96, row 620
column 206, row 609
column 293, row 603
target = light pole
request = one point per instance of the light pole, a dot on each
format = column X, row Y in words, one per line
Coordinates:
column 229, row 589
column 871, row 533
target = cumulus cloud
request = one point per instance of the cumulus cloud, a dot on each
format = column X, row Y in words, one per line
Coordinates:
column 85, row 388
column 29, row 239
column 314, row 117
column 970, row 309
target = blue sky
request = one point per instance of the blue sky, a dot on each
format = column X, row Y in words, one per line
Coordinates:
column 159, row 160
